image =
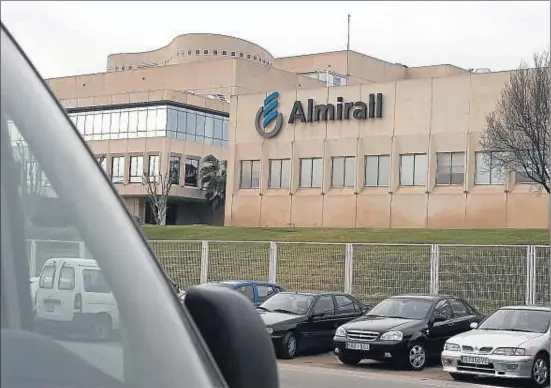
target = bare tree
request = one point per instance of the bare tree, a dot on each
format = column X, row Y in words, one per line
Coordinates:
column 158, row 189
column 517, row 131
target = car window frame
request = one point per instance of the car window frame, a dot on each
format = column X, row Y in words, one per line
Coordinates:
column 468, row 311
column 355, row 307
column 262, row 299
column 251, row 286
column 324, row 314
column 73, row 280
column 444, row 301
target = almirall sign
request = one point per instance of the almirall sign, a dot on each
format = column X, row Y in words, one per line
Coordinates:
column 269, row 121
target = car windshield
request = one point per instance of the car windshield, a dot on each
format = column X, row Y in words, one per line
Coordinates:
column 534, row 321
column 401, row 308
column 289, row 303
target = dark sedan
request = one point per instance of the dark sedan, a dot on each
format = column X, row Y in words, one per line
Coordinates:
column 407, row 330
column 307, row 320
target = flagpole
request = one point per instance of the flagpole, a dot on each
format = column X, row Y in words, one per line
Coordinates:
column 347, row 48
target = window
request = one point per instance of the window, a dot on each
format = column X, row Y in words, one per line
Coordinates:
column 189, row 52
column 247, row 291
column 487, row 172
column 214, row 52
column 443, row 308
column 345, row 304
column 413, row 169
column 153, row 169
column 325, row 306
column 191, row 172
column 241, row 55
column 522, row 177
column 136, row 169
column 264, row 292
column 377, row 170
column 248, row 56
column 232, row 53
column 254, row 58
column 459, row 309
column 311, row 172
column 224, row 52
column 250, row 174
column 343, row 171
column 66, row 279
column 117, row 169
column 450, row 168
column 47, row 277
column 279, row 173
column 175, row 169
column 206, row 52
column 197, row 52
column 93, row 281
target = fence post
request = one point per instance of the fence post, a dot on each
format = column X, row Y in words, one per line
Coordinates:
column 434, row 268
column 272, row 265
column 348, row 268
column 204, row 262
column 81, row 250
column 530, row 275
column 32, row 258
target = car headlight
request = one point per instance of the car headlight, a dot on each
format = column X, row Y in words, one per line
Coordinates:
column 452, row 347
column 510, row 352
column 341, row 332
column 270, row 330
column 392, row 336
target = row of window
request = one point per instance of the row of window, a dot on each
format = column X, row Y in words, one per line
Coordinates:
column 197, row 52
column 136, row 169
column 157, row 121
column 330, row 78
column 450, row 170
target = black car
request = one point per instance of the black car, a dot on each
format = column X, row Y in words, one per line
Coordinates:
column 307, row 320
column 407, row 330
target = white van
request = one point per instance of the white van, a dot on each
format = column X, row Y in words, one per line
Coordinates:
column 73, row 292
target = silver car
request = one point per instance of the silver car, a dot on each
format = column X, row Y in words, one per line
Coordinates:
column 513, row 342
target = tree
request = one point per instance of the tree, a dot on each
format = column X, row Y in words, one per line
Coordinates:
column 158, row 189
column 213, row 181
column 517, row 131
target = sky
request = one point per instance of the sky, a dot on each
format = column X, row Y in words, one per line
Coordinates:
column 65, row 38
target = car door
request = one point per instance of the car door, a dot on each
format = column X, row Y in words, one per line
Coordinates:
column 347, row 309
column 462, row 316
column 439, row 332
column 323, row 321
column 264, row 292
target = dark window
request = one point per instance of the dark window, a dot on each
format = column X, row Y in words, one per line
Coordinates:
column 224, row 52
column 443, row 308
column 325, row 305
column 264, row 292
column 175, row 169
column 248, row 56
column 47, row 277
column 232, row 53
column 206, row 52
column 136, row 169
column 189, row 52
column 247, row 291
column 240, row 55
column 66, row 280
column 93, row 281
column 214, row 52
column 192, row 172
column 197, row 52
column 345, row 304
column 459, row 308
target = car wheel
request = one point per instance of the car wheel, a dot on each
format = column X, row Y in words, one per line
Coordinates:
column 540, row 371
column 348, row 360
column 288, row 346
column 416, row 356
column 101, row 327
column 460, row 377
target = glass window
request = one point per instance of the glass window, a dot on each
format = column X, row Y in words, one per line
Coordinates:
column 324, row 305
column 218, row 127
column 191, row 172
column 342, row 171
column 88, row 124
column 200, row 125
column 115, row 121
column 106, row 123
column 132, row 120
column 151, row 119
column 175, row 169
column 209, row 126
column 225, row 129
column 124, row 122
column 523, row 178
column 206, row 52
column 377, row 170
column 450, row 167
column 66, row 280
column 311, row 172
column 413, row 169
column 93, row 281
column 443, row 308
column 345, row 304
column 47, row 277
column 153, row 169
column 486, row 170
column 459, row 309
column 247, row 291
column 142, row 120
column 136, row 169
column 97, row 124
column 172, row 120
column 264, row 292
column 528, row 320
column 81, row 119
column 161, row 118
column 224, row 52
column 250, row 174
column 117, row 169
column 279, row 173
column 197, row 52
column 102, row 160
column 191, row 124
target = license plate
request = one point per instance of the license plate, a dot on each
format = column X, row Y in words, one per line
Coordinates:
column 474, row 360
column 356, row 346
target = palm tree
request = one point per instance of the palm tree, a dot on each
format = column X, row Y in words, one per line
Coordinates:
column 213, row 181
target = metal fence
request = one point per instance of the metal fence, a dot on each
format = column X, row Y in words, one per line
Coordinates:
column 489, row 276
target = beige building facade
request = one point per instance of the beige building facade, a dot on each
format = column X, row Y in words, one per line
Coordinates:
column 405, row 154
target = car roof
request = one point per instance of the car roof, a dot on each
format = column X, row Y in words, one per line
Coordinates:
column 314, row 293
column 524, row 307
column 75, row 261
column 422, row 296
column 235, row 282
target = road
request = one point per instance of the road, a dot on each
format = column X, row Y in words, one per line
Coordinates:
column 318, row 371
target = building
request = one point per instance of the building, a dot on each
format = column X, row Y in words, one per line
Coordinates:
column 336, row 139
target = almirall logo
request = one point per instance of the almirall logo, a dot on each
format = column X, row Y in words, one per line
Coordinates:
column 266, row 115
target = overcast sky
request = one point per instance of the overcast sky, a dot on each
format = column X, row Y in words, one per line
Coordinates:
column 67, row 38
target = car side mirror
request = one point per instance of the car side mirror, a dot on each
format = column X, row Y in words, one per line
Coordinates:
column 474, row 325
column 235, row 335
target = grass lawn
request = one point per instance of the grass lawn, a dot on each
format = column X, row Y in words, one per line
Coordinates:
column 440, row 236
